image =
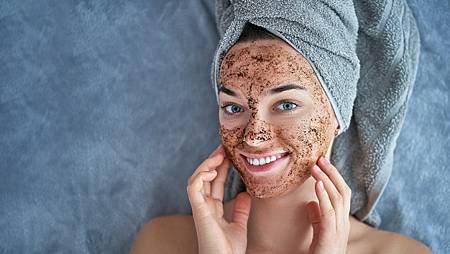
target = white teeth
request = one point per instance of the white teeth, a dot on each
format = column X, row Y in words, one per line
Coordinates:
column 262, row 161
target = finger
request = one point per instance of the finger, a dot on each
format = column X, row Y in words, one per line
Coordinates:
column 209, row 164
column 314, row 217
column 338, row 181
column 334, row 175
column 207, row 185
column 218, row 185
column 206, row 191
column 218, row 148
column 333, row 194
column 194, row 189
column 327, row 212
column 241, row 210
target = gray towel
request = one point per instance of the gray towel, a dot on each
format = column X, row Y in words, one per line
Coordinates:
column 305, row 25
column 365, row 56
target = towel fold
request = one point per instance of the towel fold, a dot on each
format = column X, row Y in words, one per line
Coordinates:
column 388, row 48
column 365, row 55
column 304, row 25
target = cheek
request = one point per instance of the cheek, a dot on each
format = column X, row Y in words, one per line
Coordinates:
column 308, row 137
column 232, row 123
column 317, row 136
column 232, row 131
column 231, row 138
column 299, row 137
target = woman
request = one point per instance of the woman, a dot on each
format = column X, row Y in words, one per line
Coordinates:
column 276, row 124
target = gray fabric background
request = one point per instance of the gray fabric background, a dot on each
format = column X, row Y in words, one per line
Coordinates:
column 106, row 108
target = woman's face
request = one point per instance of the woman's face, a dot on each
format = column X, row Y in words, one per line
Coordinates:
column 275, row 119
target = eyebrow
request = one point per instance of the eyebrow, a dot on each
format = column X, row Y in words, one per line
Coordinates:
column 227, row 91
column 278, row 89
column 285, row 88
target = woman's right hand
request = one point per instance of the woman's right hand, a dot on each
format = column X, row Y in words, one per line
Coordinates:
column 205, row 191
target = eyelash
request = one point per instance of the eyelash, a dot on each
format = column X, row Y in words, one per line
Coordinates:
column 280, row 103
column 230, row 104
column 288, row 110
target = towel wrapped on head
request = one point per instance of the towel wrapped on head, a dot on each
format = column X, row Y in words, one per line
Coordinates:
column 305, row 25
column 339, row 38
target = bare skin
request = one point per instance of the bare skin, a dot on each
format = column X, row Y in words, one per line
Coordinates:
column 278, row 220
column 177, row 234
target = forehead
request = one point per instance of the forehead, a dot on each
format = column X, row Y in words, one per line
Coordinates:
column 265, row 63
column 259, row 51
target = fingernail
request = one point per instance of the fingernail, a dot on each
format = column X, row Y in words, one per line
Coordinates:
column 325, row 159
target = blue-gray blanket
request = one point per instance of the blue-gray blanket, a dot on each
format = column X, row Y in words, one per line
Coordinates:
column 106, row 109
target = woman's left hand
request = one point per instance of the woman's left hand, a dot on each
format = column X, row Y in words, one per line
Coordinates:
column 330, row 217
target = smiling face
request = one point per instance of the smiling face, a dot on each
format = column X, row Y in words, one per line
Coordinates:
column 273, row 112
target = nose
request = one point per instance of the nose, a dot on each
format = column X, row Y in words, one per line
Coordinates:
column 257, row 132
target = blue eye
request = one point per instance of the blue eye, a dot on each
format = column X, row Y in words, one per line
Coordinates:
column 232, row 109
column 286, row 106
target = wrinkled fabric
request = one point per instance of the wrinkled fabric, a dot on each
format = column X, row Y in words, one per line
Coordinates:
column 99, row 134
column 304, row 25
column 365, row 56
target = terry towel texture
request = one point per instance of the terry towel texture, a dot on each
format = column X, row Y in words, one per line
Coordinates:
column 304, row 25
column 370, row 109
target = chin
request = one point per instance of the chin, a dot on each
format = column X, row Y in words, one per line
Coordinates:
column 275, row 185
column 265, row 194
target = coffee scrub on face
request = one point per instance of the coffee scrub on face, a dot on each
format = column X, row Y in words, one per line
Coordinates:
column 251, row 69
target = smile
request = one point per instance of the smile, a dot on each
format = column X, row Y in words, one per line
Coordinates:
column 256, row 161
column 265, row 162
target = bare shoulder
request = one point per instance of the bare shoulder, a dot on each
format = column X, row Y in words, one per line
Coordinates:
column 385, row 242
column 166, row 234
column 391, row 242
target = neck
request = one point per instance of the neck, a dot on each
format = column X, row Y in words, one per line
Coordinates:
column 271, row 222
column 281, row 224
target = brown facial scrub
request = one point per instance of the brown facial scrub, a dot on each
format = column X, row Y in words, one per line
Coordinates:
column 272, row 106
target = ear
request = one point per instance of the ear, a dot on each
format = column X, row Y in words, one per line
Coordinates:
column 336, row 131
column 336, row 126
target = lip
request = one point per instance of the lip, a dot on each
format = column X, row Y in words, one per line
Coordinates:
column 263, row 155
column 268, row 168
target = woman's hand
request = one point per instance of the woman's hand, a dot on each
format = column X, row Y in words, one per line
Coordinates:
column 205, row 191
column 330, row 218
